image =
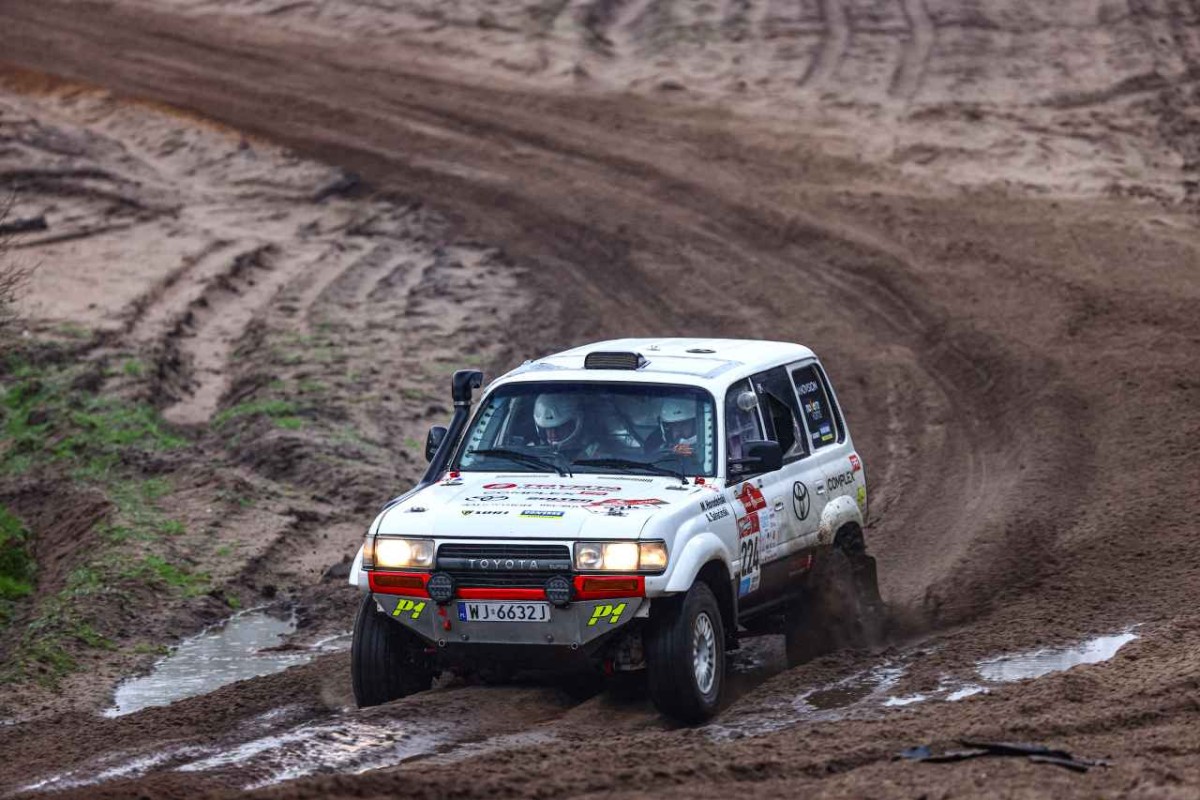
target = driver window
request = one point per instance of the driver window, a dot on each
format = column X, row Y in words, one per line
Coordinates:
column 741, row 424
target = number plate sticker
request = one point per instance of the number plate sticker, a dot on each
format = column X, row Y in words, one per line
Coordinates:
column 504, row 612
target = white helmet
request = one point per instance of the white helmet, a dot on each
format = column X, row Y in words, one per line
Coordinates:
column 558, row 418
column 677, row 419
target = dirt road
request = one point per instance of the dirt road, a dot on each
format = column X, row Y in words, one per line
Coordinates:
column 1020, row 369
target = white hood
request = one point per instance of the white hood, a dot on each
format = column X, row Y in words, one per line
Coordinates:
column 525, row 506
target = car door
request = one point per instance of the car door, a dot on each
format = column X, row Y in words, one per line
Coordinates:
column 745, row 493
column 832, row 451
column 795, row 505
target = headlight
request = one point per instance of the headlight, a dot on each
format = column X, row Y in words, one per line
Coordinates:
column 621, row 556
column 394, row 553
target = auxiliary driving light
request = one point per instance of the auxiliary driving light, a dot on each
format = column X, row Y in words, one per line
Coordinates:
column 559, row 590
column 440, row 587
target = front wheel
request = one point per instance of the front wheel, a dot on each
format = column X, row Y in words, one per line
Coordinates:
column 685, row 656
column 387, row 662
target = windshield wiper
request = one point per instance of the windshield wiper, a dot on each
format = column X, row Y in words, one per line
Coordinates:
column 528, row 459
column 629, row 463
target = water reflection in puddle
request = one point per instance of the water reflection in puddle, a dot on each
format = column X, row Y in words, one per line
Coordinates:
column 864, row 693
column 347, row 746
column 233, row 651
column 1037, row 663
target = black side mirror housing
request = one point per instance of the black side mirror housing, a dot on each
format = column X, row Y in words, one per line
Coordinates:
column 437, row 435
column 760, row 457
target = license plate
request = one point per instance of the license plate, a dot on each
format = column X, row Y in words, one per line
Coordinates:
column 504, row 612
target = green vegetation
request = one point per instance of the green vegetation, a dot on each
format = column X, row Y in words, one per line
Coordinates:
column 281, row 412
column 54, row 424
column 16, row 565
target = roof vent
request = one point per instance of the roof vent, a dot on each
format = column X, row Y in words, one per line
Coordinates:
column 614, row 361
column 699, row 350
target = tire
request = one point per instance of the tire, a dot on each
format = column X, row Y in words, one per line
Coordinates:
column 386, row 661
column 840, row 608
column 685, row 656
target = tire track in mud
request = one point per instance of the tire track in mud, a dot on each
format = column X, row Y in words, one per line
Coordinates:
column 914, row 57
column 566, row 236
column 835, row 38
column 632, row 221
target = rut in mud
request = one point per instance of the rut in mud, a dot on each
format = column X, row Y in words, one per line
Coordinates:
column 1019, row 371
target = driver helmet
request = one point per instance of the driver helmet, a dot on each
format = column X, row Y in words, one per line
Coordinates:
column 558, row 418
column 677, row 421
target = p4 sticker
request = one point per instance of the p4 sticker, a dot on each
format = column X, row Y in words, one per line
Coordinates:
column 412, row 608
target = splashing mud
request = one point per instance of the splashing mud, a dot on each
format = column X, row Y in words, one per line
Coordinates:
column 233, row 651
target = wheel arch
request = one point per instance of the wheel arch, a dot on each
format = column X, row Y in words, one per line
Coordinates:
column 716, row 575
column 838, row 513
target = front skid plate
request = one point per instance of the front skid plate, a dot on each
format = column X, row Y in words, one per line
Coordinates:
column 573, row 626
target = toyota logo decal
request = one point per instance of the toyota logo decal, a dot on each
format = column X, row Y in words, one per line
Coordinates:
column 800, row 500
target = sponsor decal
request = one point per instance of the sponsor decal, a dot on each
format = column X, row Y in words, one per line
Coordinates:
column 411, row 607
column 751, row 498
column 808, row 388
column 561, row 488
column 487, row 512
column 716, row 514
column 826, row 432
column 855, row 464
column 840, row 481
column 543, row 514
column 631, row 502
column 549, row 498
column 801, row 502
column 618, row 507
column 748, row 526
column 486, row 498
column 607, row 612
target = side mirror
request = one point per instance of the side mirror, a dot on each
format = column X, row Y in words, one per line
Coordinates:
column 437, row 435
column 765, row 456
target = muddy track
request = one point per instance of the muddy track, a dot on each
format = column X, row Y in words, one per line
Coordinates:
column 990, row 350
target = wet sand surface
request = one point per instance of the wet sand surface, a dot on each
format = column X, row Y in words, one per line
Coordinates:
column 982, row 216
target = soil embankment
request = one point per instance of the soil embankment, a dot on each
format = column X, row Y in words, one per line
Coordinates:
column 995, row 253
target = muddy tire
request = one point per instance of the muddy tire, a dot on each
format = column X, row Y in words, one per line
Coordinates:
column 685, row 656
column 386, row 661
column 840, row 608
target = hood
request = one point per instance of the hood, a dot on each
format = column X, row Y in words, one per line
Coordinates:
column 528, row 506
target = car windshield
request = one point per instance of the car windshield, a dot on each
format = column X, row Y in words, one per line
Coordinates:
column 631, row 428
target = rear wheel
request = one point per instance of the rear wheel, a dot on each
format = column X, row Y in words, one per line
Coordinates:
column 685, row 656
column 387, row 662
column 840, row 608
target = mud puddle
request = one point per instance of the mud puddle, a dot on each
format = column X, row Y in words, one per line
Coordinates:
column 868, row 692
column 1036, row 663
column 238, row 649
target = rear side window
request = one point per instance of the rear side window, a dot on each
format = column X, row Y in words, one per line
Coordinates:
column 820, row 414
column 741, row 424
column 782, row 412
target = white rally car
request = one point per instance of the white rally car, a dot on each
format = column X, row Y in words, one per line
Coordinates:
column 632, row 505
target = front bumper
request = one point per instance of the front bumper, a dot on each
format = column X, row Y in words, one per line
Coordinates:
column 581, row 625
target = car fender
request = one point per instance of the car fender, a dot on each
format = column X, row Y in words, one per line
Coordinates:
column 699, row 550
column 358, row 577
column 838, row 512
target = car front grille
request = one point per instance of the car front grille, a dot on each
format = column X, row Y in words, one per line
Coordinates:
column 502, row 565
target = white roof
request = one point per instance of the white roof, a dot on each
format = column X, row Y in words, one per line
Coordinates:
column 701, row 362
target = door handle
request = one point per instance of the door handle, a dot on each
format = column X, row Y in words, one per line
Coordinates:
column 778, row 505
column 821, row 487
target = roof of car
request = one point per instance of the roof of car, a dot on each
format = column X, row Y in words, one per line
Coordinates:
column 698, row 361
